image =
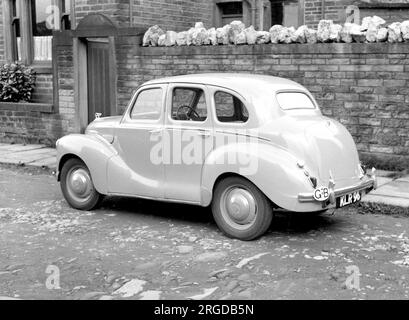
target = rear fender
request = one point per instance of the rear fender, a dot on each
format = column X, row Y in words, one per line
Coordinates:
column 273, row 170
column 94, row 150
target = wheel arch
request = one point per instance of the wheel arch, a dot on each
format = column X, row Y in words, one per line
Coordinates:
column 274, row 173
column 92, row 150
column 229, row 174
column 64, row 160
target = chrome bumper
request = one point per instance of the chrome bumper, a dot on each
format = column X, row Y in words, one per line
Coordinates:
column 367, row 186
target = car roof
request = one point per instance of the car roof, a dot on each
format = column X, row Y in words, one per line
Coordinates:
column 242, row 83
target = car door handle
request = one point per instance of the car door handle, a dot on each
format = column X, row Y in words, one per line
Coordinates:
column 156, row 131
column 205, row 134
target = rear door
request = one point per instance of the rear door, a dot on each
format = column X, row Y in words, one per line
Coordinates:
column 189, row 132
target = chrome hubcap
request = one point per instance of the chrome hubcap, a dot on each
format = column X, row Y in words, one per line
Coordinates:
column 239, row 207
column 79, row 184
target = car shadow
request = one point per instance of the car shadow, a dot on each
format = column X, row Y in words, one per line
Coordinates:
column 284, row 222
column 159, row 209
column 298, row 223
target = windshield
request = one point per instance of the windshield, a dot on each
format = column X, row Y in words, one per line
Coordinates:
column 294, row 100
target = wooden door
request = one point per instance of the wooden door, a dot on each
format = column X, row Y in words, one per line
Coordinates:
column 99, row 86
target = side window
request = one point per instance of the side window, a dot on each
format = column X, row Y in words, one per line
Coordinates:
column 229, row 108
column 148, row 105
column 189, row 104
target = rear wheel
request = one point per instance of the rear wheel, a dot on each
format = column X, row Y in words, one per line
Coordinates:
column 240, row 209
column 77, row 186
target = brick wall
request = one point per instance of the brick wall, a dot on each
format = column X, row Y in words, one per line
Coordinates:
column 28, row 126
column 65, row 76
column 364, row 86
column 332, row 11
column 117, row 10
column 172, row 15
column 43, row 91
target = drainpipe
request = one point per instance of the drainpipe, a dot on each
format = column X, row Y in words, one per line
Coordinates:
column 253, row 8
column 253, row 12
column 261, row 10
column 323, row 9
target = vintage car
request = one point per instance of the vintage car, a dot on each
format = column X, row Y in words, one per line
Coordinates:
column 243, row 144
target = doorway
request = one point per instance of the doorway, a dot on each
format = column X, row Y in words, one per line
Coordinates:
column 98, row 80
column 95, row 75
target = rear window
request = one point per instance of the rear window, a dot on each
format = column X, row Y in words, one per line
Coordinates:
column 294, row 100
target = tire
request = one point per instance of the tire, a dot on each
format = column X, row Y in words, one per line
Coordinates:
column 240, row 209
column 77, row 186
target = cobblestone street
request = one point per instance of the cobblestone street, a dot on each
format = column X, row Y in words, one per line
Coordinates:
column 134, row 249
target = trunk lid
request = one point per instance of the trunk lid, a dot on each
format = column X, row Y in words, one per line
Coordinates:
column 326, row 146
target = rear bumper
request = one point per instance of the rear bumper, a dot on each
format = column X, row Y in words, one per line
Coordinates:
column 369, row 183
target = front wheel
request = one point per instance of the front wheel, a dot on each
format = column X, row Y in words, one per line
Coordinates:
column 77, row 186
column 240, row 209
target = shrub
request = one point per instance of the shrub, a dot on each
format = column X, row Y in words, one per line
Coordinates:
column 380, row 208
column 386, row 162
column 16, row 82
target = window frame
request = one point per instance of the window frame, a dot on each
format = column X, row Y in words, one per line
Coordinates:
column 246, row 16
column 221, row 7
column 296, row 91
column 135, row 98
column 237, row 96
column 181, row 86
column 169, row 121
column 301, row 13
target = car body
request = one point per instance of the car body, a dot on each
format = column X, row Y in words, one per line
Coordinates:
column 302, row 160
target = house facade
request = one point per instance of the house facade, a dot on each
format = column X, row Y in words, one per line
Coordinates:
column 88, row 58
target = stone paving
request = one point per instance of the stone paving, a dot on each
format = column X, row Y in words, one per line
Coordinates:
column 33, row 155
column 139, row 249
column 394, row 192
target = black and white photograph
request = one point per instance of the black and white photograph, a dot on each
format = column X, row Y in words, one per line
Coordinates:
column 205, row 156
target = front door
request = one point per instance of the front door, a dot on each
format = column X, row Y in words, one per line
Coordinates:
column 98, row 68
column 138, row 168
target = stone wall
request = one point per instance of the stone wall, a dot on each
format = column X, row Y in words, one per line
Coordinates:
column 364, row 86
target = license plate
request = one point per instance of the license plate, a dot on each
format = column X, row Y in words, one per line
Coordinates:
column 349, row 199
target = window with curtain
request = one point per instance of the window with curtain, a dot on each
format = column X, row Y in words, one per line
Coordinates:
column 230, row 11
column 42, row 27
column 286, row 13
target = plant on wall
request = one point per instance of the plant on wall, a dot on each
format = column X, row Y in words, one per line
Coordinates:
column 17, row 82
